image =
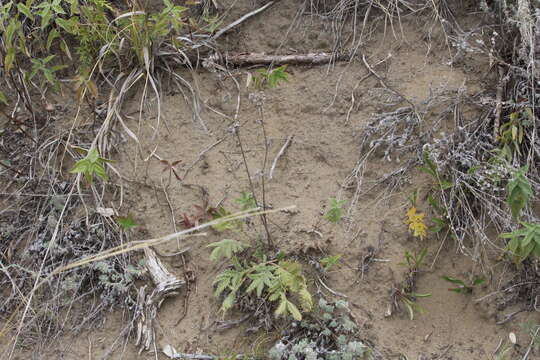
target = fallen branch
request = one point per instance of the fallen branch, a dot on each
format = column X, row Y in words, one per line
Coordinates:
column 148, row 304
column 246, row 59
column 280, row 153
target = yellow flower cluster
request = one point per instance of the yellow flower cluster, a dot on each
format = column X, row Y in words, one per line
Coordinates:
column 416, row 223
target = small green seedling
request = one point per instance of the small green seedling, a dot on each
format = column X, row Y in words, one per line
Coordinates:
column 414, row 261
column 335, row 213
column 127, row 222
column 224, row 225
column 462, row 287
column 271, row 78
column 246, row 201
column 91, row 165
column 329, row 261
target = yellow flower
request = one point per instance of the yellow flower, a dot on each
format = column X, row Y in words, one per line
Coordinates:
column 416, row 223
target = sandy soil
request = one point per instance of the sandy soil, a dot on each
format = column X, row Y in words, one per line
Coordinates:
column 323, row 153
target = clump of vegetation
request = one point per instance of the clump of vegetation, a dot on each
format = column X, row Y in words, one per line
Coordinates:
column 330, row 261
column 91, row 165
column 335, row 213
column 404, row 294
column 461, row 286
column 277, row 281
column 271, row 78
column 524, row 241
column 326, row 334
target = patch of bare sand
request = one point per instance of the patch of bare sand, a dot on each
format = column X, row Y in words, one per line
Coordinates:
column 322, row 154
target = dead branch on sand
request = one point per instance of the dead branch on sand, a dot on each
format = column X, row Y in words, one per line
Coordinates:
column 147, row 304
column 247, row 59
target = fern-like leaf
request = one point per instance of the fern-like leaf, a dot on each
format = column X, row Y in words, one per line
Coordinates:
column 306, row 301
column 261, row 279
column 226, row 248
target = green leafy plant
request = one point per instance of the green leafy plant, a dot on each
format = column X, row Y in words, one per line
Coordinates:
column 246, row 201
column 404, row 294
column 335, row 213
column 414, row 261
column 225, row 224
column 329, row 261
column 440, row 222
column 519, row 191
column 276, row 281
column 91, row 165
column 512, row 132
column 126, row 222
column 271, row 78
column 461, row 286
column 226, row 248
column 409, row 301
column 524, row 241
column 48, row 72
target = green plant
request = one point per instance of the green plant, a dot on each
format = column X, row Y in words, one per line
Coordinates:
column 440, row 222
column 271, row 78
column 414, row 261
column 48, row 72
column 405, row 293
column 512, row 132
column 246, row 201
column 226, row 248
column 225, row 224
column 524, row 241
column 126, row 222
column 335, row 213
column 409, row 301
column 329, row 261
column 275, row 281
column 519, row 191
column 462, row 287
column 91, row 165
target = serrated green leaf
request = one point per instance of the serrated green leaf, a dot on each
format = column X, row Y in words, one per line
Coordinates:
column 260, row 280
column 282, row 307
column 329, row 261
column 306, row 301
column 226, row 248
column 293, row 310
column 229, row 301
